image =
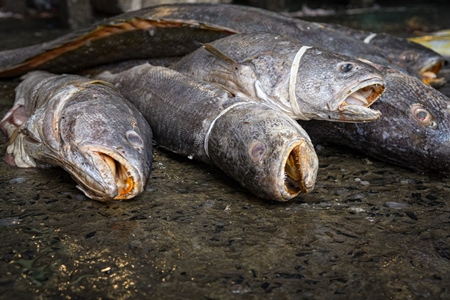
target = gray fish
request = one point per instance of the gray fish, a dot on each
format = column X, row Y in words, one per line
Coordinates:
column 263, row 149
column 304, row 82
column 413, row 132
column 175, row 30
column 84, row 126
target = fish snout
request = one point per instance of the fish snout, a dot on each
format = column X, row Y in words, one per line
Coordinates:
column 111, row 177
column 300, row 168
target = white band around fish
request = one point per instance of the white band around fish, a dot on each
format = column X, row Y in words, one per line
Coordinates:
column 208, row 133
column 369, row 38
column 293, row 80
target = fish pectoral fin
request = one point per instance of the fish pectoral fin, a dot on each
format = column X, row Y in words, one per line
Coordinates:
column 219, row 54
column 30, row 136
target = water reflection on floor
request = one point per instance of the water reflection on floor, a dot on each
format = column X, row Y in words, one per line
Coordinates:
column 368, row 230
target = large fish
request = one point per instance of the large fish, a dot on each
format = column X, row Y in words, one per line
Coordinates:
column 84, row 126
column 304, row 82
column 261, row 148
column 175, row 30
column 414, row 130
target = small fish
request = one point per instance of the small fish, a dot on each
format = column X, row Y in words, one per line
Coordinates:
column 304, row 82
column 412, row 55
column 263, row 149
column 413, row 132
column 84, row 126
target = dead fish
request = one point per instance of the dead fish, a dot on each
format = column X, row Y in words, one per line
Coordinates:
column 245, row 19
column 413, row 132
column 263, row 149
column 128, row 36
column 304, row 82
column 412, row 55
column 84, row 126
column 173, row 30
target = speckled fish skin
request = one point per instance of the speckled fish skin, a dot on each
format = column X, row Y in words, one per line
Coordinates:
column 263, row 66
column 84, row 126
column 413, row 56
column 413, row 132
column 264, row 150
column 174, row 30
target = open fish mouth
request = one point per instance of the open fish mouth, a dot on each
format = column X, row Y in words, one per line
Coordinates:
column 363, row 94
column 430, row 77
column 114, row 177
column 121, row 175
column 299, row 172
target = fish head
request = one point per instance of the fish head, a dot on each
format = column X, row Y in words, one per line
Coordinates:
column 265, row 150
column 109, row 169
column 87, row 128
column 413, row 132
column 415, row 127
column 108, row 151
column 333, row 87
column 415, row 58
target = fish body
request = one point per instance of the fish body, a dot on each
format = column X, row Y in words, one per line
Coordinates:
column 174, row 30
column 413, row 131
column 304, row 82
column 263, row 149
column 84, row 126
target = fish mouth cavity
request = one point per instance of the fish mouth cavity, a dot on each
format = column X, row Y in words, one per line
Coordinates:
column 121, row 175
column 296, row 170
column 364, row 93
column 429, row 75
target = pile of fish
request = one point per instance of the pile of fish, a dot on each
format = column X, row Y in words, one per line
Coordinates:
column 237, row 87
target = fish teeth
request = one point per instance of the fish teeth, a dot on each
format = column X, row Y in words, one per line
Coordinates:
column 357, row 99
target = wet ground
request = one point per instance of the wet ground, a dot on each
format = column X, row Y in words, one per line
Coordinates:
column 369, row 230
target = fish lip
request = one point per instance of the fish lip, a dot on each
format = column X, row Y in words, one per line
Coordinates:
column 429, row 72
column 377, row 83
column 433, row 64
column 108, row 187
column 306, row 157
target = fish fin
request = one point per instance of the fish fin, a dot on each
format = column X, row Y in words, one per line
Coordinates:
column 13, row 136
column 30, row 136
column 219, row 54
column 97, row 81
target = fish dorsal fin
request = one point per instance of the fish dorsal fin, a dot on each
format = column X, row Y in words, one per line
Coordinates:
column 219, row 54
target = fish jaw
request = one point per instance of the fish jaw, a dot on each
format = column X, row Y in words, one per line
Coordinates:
column 353, row 102
column 429, row 73
column 299, row 163
column 112, row 177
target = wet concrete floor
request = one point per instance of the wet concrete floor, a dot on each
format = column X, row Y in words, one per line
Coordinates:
column 369, row 230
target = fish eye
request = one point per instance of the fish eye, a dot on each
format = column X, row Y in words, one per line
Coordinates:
column 345, row 67
column 408, row 56
column 423, row 116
